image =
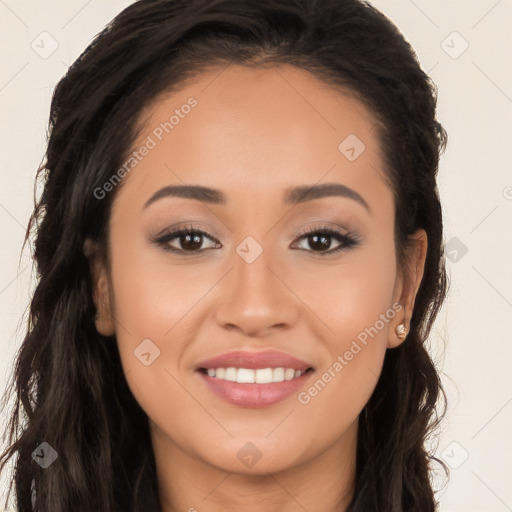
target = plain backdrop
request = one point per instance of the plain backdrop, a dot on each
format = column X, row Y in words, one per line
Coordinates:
column 465, row 46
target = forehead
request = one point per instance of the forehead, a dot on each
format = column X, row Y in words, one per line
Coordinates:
column 259, row 128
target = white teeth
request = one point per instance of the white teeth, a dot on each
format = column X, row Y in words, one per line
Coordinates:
column 230, row 374
column 243, row 375
column 289, row 374
column 278, row 375
column 250, row 376
column 263, row 376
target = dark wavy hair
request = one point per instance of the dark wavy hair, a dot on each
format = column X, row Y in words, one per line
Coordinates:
column 70, row 389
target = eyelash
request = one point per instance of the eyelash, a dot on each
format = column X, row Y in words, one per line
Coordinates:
column 348, row 240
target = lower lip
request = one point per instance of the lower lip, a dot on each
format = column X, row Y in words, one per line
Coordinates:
column 254, row 395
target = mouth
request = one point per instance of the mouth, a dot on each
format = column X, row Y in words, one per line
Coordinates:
column 254, row 379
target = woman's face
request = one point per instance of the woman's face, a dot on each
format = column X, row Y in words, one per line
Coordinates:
column 254, row 282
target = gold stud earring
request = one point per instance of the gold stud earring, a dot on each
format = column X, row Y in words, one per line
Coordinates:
column 401, row 331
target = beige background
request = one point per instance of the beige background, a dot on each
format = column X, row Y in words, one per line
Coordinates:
column 475, row 106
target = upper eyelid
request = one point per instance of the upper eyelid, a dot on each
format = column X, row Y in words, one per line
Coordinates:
column 301, row 233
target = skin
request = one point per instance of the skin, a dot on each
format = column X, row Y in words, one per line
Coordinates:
column 253, row 134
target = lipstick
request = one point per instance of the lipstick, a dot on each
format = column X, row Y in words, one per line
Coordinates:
column 254, row 379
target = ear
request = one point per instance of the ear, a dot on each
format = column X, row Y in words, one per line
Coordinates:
column 101, row 293
column 408, row 283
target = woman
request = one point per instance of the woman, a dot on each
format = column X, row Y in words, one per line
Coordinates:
column 239, row 246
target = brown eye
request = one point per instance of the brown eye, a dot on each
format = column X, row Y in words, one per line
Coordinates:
column 185, row 240
column 319, row 240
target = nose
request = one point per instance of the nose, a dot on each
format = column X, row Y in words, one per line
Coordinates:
column 257, row 300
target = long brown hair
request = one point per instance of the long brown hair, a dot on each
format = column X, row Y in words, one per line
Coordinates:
column 70, row 389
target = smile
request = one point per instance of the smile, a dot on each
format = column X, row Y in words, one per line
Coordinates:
column 254, row 388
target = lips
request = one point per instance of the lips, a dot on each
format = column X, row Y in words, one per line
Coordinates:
column 254, row 361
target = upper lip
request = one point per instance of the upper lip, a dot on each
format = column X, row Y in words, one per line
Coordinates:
column 254, row 360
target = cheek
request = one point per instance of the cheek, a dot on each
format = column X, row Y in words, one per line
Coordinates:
column 350, row 297
column 358, row 311
column 154, row 302
column 154, row 292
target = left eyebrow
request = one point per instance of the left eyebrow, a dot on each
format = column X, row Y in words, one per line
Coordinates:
column 302, row 194
column 295, row 195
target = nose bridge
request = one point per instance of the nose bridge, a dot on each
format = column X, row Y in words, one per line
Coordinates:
column 257, row 260
column 255, row 279
column 253, row 266
column 256, row 298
